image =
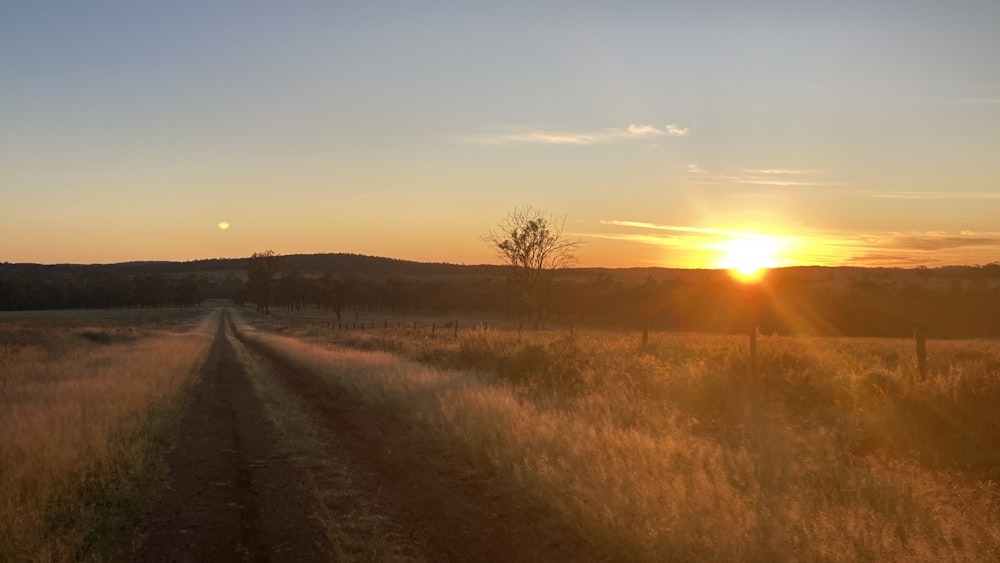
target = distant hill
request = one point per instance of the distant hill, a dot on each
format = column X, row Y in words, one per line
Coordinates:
column 380, row 268
column 337, row 263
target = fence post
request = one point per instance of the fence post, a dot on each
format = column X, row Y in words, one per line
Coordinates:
column 921, row 342
column 753, row 351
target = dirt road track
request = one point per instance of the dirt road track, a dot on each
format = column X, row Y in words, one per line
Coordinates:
column 231, row 498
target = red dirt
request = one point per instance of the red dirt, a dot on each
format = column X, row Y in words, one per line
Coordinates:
column 231, row 498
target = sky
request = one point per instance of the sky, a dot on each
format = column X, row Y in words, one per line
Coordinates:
column 676, row 134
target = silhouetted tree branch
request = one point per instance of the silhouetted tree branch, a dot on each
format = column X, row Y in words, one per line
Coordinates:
column 531, row 242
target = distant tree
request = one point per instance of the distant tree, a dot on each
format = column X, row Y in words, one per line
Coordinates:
column 531, row 242
column 262, row 267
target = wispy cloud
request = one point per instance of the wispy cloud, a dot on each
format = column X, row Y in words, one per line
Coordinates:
column 819, row 181
column 781, row 172
column 673, row 228
column 546, row 136
column 927, row 195
column 779, row 177
column 699, row 246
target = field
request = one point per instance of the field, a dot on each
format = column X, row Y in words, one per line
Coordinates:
column 86, row 403
column 834, row 450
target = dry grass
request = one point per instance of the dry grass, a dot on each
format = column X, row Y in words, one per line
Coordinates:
column 836, row 451
column 85, row 404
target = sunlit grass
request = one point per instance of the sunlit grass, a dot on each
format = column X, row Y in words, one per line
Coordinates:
column 835, row 451
column 85, row 410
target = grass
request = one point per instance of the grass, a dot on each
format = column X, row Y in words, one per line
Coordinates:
column 835, row 451
column 86, row 404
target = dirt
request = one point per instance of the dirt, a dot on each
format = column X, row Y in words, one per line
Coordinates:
column 232, row 497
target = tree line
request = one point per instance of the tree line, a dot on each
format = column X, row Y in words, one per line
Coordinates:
column 90, row 289
column 785, row 302
column 714, row 302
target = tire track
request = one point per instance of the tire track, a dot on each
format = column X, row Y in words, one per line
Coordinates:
column 230, row 497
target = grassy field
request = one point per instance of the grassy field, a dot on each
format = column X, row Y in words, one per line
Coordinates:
column 86, row 403
column 835, row 451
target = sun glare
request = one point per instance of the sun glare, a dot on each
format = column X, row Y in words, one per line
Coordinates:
column 748, row 258
column 223, row 225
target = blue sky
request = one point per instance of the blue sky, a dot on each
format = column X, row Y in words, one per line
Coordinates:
column 849, row 132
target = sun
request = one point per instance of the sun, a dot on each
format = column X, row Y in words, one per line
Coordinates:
column 748, row 258
column 223, row 225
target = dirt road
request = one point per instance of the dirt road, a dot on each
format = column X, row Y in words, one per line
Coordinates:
column 229, row 497
column 233, row 497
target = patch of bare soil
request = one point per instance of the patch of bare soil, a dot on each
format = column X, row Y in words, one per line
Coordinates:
column 230, row 496
column 462, row 513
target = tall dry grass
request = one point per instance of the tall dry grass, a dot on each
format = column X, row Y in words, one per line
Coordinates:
column 84, row 413
column 836, row 451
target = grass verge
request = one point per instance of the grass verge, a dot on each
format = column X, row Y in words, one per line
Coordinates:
column 86, row 423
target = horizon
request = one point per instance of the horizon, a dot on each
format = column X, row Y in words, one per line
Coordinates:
column 735, row 271
column 676, row 135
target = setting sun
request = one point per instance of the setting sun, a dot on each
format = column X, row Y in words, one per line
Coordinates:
column 748, row 258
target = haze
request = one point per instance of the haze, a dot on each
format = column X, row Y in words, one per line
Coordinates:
column 856, row 133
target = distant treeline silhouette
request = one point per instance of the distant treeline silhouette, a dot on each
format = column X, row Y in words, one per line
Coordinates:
column 954, row 302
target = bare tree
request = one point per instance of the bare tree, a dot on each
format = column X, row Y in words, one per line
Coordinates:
column 531, row 242
column 262, row 267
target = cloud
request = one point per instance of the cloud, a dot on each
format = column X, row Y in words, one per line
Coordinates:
column 941, row 241
column 781, row 172
column 929, row 195
column 695, row 246
column 545, row 136
column 779, row 177
column 643, row 131
column 674, row 228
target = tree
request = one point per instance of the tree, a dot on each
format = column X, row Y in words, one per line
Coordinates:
column 262, row 267
column 531, row 242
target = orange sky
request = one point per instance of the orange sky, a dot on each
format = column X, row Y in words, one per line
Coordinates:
column 844, row 134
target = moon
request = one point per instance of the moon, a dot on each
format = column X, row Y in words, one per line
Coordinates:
column 223, row 225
